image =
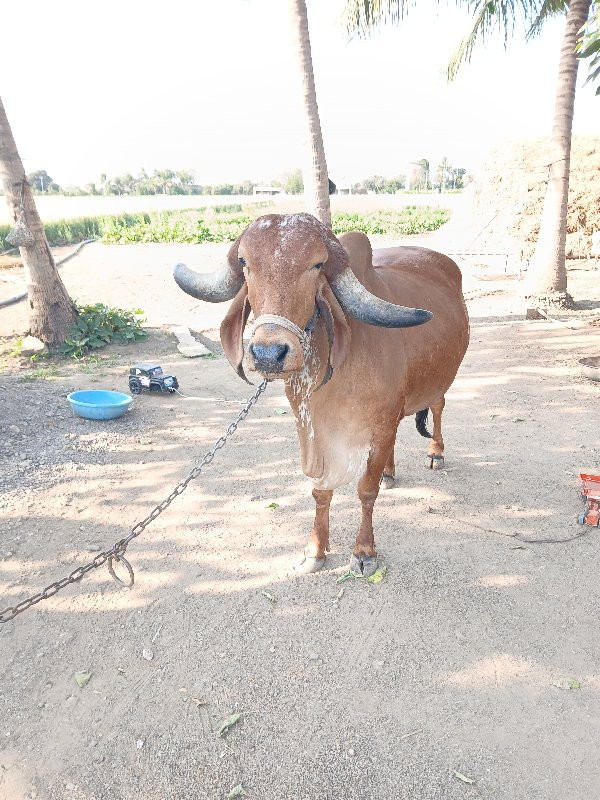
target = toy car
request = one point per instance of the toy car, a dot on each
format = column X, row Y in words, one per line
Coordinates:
column 590, row 493
column 150, row 376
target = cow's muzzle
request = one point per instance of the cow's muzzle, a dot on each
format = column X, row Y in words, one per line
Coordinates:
column 269, row 358
column 274, row 347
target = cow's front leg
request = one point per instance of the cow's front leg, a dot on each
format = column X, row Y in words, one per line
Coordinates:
column 364, row 556
column 317, row 546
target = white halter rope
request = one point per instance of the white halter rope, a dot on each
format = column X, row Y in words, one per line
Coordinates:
column 303, row 335
column 283, row 322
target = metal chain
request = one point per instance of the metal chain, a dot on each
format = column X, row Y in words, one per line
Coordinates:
column 117, row 551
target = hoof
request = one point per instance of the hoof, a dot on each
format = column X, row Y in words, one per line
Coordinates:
column 387, row 481
column 436, row 462
column 366, row 565
column 308, row 564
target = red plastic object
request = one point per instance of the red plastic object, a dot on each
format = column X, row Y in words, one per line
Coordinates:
column 590, row 492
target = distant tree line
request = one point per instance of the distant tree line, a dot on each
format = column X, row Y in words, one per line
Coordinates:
column 167, row 181
column 420, row 178
column 379, row 185
column 161, row 181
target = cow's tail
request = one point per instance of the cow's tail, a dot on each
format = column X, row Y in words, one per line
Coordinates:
column 421, row 422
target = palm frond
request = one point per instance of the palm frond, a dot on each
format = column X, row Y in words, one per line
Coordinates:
column 548, row 8
column 360, row 17
column 500, row 15
column 588, row 46
column 480, row 24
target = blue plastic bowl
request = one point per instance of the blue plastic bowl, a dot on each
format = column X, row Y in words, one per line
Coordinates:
column 97, row 404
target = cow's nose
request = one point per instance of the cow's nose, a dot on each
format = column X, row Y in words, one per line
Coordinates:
column 269, row 357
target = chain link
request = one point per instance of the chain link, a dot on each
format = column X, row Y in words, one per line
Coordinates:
column 117, row 551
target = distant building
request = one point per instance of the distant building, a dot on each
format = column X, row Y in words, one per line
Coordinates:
column 268, row 190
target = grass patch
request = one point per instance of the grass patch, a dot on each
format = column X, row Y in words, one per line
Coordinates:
column 72, row 231
column 41, row 373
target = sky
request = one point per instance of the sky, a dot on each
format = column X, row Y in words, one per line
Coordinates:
column 117, row 86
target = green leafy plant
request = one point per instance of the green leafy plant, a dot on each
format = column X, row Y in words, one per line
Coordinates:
column 223, row 224
column 97, row 325
column 404, row 222
column 194, row 227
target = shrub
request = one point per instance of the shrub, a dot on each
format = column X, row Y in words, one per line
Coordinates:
column 97, row 325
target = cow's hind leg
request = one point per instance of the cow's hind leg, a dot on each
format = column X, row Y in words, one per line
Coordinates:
column 388, row 479
column 364, row 556
column 318, row 541
column 436, row 445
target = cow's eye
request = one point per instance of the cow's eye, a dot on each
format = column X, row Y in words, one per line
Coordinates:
column 317, row 266
column 242, row 262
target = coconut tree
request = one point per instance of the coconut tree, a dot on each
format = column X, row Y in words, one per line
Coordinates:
column 316, row 182
column 51, row 310
column 547, row 280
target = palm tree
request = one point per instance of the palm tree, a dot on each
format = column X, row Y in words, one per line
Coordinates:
column 316, row 181
column 51, row 310
column 425, row 167
column 547, row 281
column 444, row 169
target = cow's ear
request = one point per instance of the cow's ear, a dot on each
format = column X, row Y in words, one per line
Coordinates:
column 338, row 329
column 232, row 330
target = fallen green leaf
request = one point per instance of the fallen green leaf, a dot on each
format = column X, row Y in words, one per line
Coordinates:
column 229, row 723
column 566, row 683
column 82, row 678
column 237, row 791
column 518, row 419
column 378, row 575
column 273, row 505
column 348, row 575
column 518, row 547
column 463, row 778
column 280, row 410
column 340, row 594
column 268, row 595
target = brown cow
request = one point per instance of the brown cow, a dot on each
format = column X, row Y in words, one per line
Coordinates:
column 353, row 364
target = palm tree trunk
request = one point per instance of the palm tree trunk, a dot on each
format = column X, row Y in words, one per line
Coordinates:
column 316, row 179
column 547, row 280
column 51, row 310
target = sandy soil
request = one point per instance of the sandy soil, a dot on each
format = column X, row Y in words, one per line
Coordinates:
column 459, row 663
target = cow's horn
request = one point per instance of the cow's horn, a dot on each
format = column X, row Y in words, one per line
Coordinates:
column 361, row 304
column 214, row 287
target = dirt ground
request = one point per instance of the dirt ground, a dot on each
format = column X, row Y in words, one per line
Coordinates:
column 471, row 671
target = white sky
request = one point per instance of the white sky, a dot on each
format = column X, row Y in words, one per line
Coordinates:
column 116, row 85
